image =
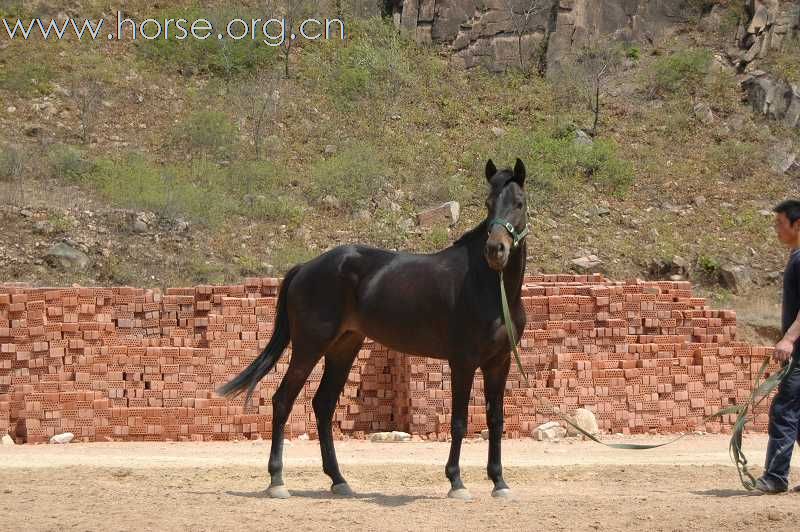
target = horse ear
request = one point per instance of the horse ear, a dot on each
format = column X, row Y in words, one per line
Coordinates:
column 491, row 169
column 519, row 172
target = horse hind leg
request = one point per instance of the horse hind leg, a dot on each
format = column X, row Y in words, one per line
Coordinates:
column 338, row 361
column 301, row 363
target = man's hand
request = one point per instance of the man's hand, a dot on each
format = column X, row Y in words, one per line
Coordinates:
column 783, row 350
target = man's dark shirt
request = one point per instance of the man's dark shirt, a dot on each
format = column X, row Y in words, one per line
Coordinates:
column 791, row 296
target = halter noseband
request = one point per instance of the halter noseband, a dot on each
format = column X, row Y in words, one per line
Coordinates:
column 516, row 236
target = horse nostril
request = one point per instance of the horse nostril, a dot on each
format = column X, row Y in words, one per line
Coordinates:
column 496, row 250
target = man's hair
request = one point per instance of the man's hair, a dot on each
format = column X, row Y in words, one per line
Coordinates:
column 791, row 208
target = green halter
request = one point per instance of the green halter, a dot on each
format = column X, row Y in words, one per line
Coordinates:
column 516, row 236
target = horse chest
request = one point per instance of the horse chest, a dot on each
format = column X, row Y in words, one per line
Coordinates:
column 490, row 336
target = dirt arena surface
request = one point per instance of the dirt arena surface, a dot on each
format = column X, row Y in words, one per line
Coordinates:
column 570, row 485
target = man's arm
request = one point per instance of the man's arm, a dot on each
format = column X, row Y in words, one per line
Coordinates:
column 784, row 348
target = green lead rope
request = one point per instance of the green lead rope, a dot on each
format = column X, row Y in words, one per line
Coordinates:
column 762, row 390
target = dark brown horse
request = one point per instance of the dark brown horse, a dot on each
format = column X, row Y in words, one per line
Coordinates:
column 445, row 305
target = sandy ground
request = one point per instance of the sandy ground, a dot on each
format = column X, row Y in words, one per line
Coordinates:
column 571, row 485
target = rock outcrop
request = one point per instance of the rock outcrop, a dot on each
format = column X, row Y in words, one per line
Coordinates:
column 772, row 26
column 773, row 97
column 502, row 34
column 529, row 34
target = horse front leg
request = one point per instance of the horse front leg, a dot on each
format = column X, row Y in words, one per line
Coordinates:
column 461, row 384
column 495, row 373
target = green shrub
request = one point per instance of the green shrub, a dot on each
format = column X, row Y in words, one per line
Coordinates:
column 723, row 92
column 208, row 132
column 438, row 239
column 60, row 222
column 603, row 166
column 289, row 254
column 274, row 207
column 204, row 192
column 353, row 176
column 68, row 162
column 134, row 182
column 736, row 159
column 633, row 52
column 682, row 71
column 734, row 14
column 785, row 64
column 26, row 78
column 10, row 163
column 262, row 192
column 255, row 177
column 556, row 164
column 12, row 9
column 226, row 58
column 374, row 61
column 708, row 265
column 249, row 265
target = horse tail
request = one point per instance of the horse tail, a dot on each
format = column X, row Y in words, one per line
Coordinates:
column 281, row 335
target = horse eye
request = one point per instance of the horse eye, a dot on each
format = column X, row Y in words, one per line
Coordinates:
column 519, row 205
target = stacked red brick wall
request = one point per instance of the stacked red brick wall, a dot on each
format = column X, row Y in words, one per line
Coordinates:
column 133, row 364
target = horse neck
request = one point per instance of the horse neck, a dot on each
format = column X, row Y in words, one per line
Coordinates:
column 514, row 273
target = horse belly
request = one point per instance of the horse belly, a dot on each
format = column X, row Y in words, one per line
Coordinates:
column 405, row 329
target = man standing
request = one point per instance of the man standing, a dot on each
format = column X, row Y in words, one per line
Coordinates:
column 784, row 415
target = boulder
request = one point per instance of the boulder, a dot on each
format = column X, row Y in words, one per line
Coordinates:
column 782, row 158
column 734, row 277
column 394, row 436
column 761, row 17
column 589, row 263
column 64, row 256
column 550, row 431
column 139, row 226
column 363, row 215
column 447, row 213
column 586, row 420
column 773, row 98
column 676, row 265
column 65, row 437
column 332, row 202
column 703, row 113
column 582, row 138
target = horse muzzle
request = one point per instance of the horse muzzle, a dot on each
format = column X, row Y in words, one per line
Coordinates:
column 496, row 254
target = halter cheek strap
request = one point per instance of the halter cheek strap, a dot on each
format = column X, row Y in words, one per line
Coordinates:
column 515, row 235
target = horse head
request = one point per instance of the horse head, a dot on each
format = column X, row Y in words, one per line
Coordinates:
column 506, row 207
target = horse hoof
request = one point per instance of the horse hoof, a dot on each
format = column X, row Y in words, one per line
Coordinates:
column 461, row 494
column 278, row 492
column 502, row 493
column 342, row 489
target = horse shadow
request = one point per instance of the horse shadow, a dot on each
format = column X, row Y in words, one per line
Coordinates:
column 380, row 499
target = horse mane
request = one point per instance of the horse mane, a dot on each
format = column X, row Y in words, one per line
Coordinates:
column 469, row 235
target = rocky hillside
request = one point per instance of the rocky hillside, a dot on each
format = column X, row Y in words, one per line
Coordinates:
column 170, row 163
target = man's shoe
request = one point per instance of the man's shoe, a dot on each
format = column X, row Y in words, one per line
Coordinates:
column 796, row 489
column 767, row 486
